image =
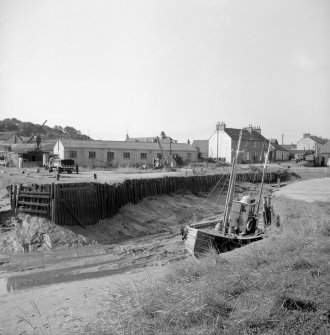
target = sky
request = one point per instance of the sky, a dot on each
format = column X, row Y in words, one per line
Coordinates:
column 112, row 67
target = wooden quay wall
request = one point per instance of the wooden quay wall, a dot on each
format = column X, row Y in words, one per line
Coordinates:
column 86, row 203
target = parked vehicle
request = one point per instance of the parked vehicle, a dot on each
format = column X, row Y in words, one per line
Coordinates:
column 62, row 165
column 307, row 155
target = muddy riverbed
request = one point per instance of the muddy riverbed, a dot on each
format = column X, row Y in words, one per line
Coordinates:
column 54, row 290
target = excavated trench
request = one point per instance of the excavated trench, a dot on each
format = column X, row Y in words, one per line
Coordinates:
column 139, row 236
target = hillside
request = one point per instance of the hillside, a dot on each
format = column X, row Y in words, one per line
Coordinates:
column 28, row 129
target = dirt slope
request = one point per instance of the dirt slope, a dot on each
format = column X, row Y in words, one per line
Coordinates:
column 64, row 283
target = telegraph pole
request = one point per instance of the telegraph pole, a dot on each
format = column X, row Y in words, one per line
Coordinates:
column 217, row 130
column 282, row 146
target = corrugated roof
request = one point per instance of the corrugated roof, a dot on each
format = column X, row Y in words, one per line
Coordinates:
column 246, row 135
column 126, row 145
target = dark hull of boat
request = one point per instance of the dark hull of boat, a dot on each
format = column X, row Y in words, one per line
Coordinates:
column 201, row 241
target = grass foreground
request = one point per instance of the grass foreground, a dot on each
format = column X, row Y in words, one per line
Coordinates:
column 280, row 285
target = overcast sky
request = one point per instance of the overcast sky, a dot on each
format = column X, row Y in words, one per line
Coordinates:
column 143, row 66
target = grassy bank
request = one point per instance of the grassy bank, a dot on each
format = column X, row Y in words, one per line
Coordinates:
column 305, row 173
column 278, row 286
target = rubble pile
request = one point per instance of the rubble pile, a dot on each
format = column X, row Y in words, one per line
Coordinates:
column 26, row 233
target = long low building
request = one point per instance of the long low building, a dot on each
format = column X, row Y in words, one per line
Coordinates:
column 122, row 153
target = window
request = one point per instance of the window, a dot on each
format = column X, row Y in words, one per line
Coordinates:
column 73, row 154
column 189, row 156
column 127, row 155
column 175, row 156
column 159, row 155
column 92, row 154
column 143, row 155
column 110, row 155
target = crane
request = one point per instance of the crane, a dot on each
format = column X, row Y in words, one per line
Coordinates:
column 164, row 159
column 37, row 137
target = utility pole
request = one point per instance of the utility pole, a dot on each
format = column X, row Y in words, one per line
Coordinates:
column 217, row 130
column 282, row 146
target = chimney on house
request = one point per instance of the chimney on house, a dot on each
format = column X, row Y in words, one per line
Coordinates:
column 257, row 129
column 249, row 128
column 220, row 126
column 306, row 135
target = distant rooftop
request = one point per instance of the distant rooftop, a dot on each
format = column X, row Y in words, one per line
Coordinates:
column 127, row 145
column 276, row 146
column 151, row 139
column 317, row 139
column 202, row 145
column 246, row 135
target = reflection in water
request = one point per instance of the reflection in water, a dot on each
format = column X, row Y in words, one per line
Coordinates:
column 6, row 285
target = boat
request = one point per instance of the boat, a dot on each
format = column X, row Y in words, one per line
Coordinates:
column 238, row 226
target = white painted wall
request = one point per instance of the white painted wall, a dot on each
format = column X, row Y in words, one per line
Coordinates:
column 59, row 149
column 220, row 146
column 82, row 158
column 306, row 143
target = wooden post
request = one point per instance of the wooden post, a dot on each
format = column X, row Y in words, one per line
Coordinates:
column 264, row 211
column 13, row 204
column 56, row 207
column 52, row 203
column 10, row 189
column 73, row 214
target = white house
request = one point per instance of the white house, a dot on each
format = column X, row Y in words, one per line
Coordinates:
column 121, row 153
column 314, row 143
column 224, row 141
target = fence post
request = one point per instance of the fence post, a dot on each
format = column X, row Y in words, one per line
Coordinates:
column 11, row 196
column 52, row 202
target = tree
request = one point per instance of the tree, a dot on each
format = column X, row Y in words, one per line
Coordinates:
column 9, row 125
column 30, row 129
column 58, row 129
column 72, row 132
column 27, row 129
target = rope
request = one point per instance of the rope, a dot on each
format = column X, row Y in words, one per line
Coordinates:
column 262, row 150
column 227, row 179
column 204, row 202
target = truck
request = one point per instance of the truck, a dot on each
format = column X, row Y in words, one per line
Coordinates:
column 62, row 165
